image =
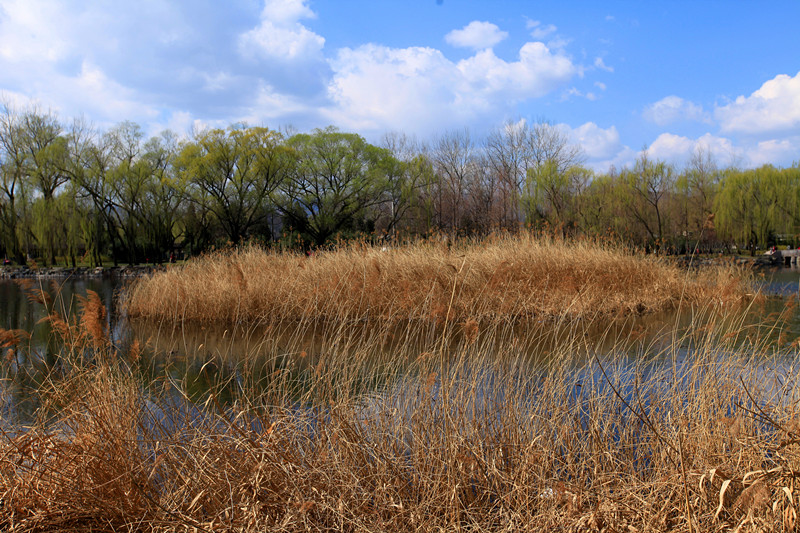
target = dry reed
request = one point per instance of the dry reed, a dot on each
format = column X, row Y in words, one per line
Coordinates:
column 378, row 429
column 499, row 278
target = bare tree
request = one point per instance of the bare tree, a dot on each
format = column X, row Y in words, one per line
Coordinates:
column 506, row 152
column 453, row 159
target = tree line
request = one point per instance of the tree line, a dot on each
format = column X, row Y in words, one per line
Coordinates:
column 71, row 194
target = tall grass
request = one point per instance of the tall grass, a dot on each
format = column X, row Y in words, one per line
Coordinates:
column 506, row 277
column 421, row 428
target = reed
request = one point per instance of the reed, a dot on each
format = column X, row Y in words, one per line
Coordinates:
column 498, row 278
column 481, row 427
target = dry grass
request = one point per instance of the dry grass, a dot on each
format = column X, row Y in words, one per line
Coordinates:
column 418, row 429
column 499, row 278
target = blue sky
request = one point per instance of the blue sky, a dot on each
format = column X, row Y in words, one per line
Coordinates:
column 616, row 76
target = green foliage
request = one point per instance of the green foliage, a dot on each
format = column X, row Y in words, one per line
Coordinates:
column 756, row 205
column 232, row 173
column 334, row 181
column 67, row 191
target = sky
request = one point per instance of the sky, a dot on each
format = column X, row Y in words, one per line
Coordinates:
column 618, row 77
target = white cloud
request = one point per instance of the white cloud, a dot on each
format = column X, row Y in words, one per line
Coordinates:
column 476, row 35
column 419, row 90
column 599, row 63
column 721, row 148
column 280, row 35
column 670, row 147
column 558, row 43
column 597, row 142
column 678, row 149
column 184, row 64
column 375, row 86
column 287, row 11
column 600, row 85
column 772, row 108
column 540, row 31
column 674, row 109
column 774, row 151
column 90, row 92
column 537, row 72
column 601, row 146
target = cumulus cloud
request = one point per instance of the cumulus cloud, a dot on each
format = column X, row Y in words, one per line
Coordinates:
column 374, row 86
column 775, row 107
column 174, row 63
column 476, row 35
column 597, row 142
column 601, row 146
column 670, row 147
column 774, row 152
column 678, row 149
column 674, row 109
column 537, row 72
column 419, row 89
column 109, row 61
column 280, row 35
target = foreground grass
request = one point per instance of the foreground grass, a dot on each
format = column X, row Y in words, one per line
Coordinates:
column 496, row 279
column 475, row 438
column 428, row 428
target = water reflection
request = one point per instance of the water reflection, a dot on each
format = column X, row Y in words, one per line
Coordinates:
column 230, row 361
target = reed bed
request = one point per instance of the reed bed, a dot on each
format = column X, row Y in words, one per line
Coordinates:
column 498, row 278
column 461, row 430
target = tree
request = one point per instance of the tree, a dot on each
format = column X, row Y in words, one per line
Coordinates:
column 46, row 151
column 91, row 164
column 127, row 180
column 163, row 195
column 748, row 205
column 407, row 175
column 453, row 160
column 507, row 155
column 549, row 157
column 334, row 180
column 13, row 169
column 558, row 194
column 232, row 174
column 698, row 186
column 648, row 184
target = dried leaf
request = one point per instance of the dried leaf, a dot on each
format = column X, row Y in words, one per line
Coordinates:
column 725, row 485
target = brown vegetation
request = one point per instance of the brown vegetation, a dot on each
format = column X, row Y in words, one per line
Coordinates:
column 457, row 430
column 500, row 278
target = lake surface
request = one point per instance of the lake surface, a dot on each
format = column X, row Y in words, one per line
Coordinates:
column 201, row 358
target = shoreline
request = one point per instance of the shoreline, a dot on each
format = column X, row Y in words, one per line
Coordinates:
column 130, row 271
column 135, row 271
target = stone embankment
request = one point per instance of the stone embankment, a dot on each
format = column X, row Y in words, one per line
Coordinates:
column 23, row 272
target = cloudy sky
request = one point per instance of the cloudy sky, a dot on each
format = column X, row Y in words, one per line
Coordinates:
column 618, row 75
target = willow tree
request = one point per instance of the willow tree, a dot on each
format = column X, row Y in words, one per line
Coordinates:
column 647, row 188
column 558, row 194
column 46, row 150
column 748, row 205
column 335, row 180
column 231, row 173
column 13, row 170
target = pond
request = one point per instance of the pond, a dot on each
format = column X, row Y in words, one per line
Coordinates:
column 203, row 358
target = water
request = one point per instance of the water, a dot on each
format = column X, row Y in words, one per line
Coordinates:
column 202, row 359
column 781, row 281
